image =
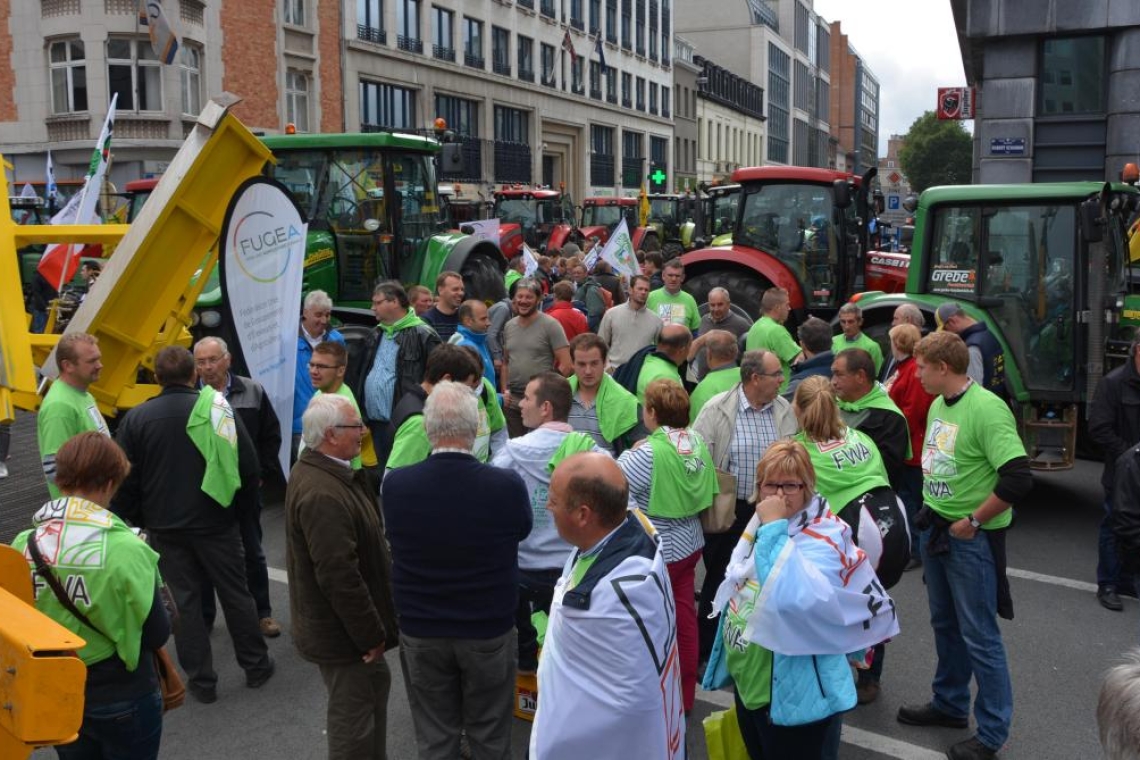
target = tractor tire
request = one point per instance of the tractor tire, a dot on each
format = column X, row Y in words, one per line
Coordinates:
column 672, row 250
column 744, row 288
column 651, row 242
column 483, row 278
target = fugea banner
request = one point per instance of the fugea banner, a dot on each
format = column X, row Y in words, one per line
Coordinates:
column 261, row 260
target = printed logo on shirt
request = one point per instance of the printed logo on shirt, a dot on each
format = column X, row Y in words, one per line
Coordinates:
column 740, row 608
column 97, row 420
column 938, row 457
column 673, row 313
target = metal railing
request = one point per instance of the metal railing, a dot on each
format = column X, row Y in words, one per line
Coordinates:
column 443, row 53
column 513, row 162
column 472, row 169
column 602, row 170
column 526, row 75
column 501, row 67
column 474, row 61
column 631, row 171
column 411, row 44
column 371, row 34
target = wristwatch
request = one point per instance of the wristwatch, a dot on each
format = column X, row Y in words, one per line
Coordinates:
column 974, row 522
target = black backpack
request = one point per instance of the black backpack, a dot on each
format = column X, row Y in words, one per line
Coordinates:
column 627, row 374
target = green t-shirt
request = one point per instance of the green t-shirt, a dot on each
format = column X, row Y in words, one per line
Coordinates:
column 717, row 381
column 64, row 414
column 411, row 445
column 511, row 277
column 770, row 335
column 966, row 442
column 750, row 665
column 841, row 342
column 845, row 469
column 655, row 368
column 581, row 566
column 680, row 309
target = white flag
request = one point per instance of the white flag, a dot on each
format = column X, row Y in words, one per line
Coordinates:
column 51, row 190
column 163, row 39
column 531, row 261
column 56, row 265
column 484, row 229
column 619, row 251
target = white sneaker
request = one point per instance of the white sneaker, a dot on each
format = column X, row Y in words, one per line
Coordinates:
column 3, row 469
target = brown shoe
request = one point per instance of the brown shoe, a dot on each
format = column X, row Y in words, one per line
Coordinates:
column 867, row 691
column 269, row 628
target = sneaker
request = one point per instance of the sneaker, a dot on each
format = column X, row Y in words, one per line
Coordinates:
column 3, row 469
column 1109, row 599
column 929, row 715
column 255, row 679
column 867, row 691
column 269, row 628
column 207, row 695
column 971, row 749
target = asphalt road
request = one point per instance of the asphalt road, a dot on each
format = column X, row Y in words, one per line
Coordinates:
column 1059, row 644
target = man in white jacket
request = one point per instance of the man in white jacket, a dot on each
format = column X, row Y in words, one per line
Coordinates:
column 545, row 407
column 609, row 684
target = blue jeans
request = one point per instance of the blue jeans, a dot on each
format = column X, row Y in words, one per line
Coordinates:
column 1107, row 563
column 961, row 587
column 129, row 730
column 910, row 491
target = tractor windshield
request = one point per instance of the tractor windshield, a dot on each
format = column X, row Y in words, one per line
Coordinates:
column 663, row 210
column 1020, row 263
column 528, row 212
column 601, row 216
column 721, row 216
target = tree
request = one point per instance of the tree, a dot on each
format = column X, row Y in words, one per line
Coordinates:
column 937, row 152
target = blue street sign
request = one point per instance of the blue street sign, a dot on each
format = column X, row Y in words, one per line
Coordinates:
column 893, row 203
column 1007, row 146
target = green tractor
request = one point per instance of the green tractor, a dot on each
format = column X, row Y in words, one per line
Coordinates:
column 674, row 217
column 1046, row 267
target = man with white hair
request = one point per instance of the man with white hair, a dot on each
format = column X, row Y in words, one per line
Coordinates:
column 905, row 313
column 720, row 317
column 339, row 571
column 314, row 329
column 455, row 582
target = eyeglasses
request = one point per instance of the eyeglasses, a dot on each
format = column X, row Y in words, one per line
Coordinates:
column 778, row 373
column 788, row 488
column 356, row 426
column 313, row 365
column 209, row 361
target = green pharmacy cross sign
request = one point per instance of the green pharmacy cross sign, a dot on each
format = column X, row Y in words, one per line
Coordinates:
column 658, row 177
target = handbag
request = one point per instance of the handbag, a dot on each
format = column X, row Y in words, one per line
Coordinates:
column 169, row 682
column 720, row 516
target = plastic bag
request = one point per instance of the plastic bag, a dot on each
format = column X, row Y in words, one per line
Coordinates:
column 722, row 736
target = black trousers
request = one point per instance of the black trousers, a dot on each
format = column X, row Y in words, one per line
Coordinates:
column 256, row 569
column 186, row 560
column 718, row 551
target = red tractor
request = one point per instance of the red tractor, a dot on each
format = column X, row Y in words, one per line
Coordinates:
column 801, row 229
column 600, row 216
column 541, row 217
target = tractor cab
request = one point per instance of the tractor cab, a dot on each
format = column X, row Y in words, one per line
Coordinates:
column 540, row 217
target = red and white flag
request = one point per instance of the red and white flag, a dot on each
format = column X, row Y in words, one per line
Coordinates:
column 60, row 260
column 568, row 44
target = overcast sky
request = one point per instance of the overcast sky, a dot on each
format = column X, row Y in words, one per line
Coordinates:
column 910, row 46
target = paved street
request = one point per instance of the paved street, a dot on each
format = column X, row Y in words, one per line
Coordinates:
column 1059, row 644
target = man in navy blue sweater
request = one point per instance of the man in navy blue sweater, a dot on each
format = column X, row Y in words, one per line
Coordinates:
column 454, row 526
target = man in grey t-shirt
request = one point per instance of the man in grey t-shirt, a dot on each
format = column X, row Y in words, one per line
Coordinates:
column 532, row 343
column 720, row 317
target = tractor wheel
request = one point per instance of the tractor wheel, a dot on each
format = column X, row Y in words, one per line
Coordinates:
column 483, row 278
column 744, row 288
column 651, row 242
column 672, row 250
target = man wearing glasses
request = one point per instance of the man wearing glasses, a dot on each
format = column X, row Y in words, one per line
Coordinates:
column 251, row 403
column 326, row 371
column 395, row 356
column 738, row 426
column 314, row 329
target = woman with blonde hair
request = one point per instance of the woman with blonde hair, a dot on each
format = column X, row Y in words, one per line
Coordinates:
column 798, row 595
column 672, row 479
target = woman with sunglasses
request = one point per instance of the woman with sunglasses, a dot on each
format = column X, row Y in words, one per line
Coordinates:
column 798, row 595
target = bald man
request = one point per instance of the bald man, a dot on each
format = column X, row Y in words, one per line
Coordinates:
column 721, row 350
column 665, row 362
column 580, row 714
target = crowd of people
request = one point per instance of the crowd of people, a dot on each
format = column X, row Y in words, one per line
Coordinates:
column 589, row 446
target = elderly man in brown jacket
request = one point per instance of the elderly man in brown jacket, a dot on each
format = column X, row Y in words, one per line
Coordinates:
column 340, row 594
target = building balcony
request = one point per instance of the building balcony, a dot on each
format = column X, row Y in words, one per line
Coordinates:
column 596, row 93
column 528, row 4
column 443, row 53
column 371, row 34
column 501, row 67
column 513, row 162
column 578, row 24
column 411, row 44
column 611, row 98
column 631, row 172
column 474, row 61
column 546, row 8
column 471, row 170
column 626, row 103
column 526, row 75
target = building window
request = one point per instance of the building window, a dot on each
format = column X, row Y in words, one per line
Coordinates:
column 632, row 158
column 653, row 98
column 386, row 105
column 443, row 34
column 627, row 24
column 577, row 85
column 665, row 31
column 639, row 29
column 512, row 125
column 1073, row 76
column 526, row 58
column 408, row 23
column 601, row 156
column 779, row 104
column 611, row 84
column 626, row 90
column 190, row 72
column 595, row 17
column 295, row 12
column 595, row 80
column 473, row 42
column 611, row 21
column 658, row 150
column 547, row 52
column 297, row 99
column 501, row 50
column 576, row 19
column 132, row 67
column 653, row 30
column 546, row 8
column 68, row 77
column 370, row 21
column 802, row 27
column 641, row 93
column 665, row 93
column 461, row 115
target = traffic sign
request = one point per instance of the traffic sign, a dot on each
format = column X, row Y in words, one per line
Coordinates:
column 893, row 203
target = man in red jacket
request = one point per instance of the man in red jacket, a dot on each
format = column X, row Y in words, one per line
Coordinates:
column 573, row 321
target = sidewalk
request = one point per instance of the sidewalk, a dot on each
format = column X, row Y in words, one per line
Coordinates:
column 24, row 490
